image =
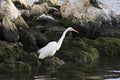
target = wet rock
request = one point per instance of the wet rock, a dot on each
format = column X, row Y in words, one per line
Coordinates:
column 52, row 62
column 10, row 51
column 77, row 51
column 14, row 59
column 41, row 39
column 30, row 58
column 10, row 31
column 21, row 3
column 10, row 66
column 28, row 39
column 8, row 9
column 106, row 45
column 37, row 10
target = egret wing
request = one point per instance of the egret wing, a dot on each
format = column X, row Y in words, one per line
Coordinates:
column 48, row 50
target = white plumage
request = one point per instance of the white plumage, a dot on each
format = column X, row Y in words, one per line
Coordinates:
column 51, row 48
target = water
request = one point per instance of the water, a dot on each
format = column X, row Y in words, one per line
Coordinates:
column 107, row 68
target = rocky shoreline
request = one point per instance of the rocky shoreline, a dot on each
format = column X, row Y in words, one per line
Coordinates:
column 24, row 29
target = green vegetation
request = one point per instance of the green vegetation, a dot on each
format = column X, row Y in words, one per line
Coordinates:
column 106, row 45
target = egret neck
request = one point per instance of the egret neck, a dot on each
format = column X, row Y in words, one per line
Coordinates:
column 59, row 43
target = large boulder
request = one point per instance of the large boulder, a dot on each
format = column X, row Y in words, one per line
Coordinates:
column 20, row 23
column 11, row 66
column 77, row 51
column 14, row 59
column 7, row 8
column 83, row 14
column 10, row 31
column 50, row 2
column 10, row 51
column 28, row 39
column 37, row 9
column 22, row 3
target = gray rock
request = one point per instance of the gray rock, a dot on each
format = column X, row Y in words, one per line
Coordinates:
column 7, row 8
column 25, row 14
column 22, row 3
column 20, row 23
column 37, row 10
column 10, row 31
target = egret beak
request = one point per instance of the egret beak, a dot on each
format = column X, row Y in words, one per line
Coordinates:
column 75, row 30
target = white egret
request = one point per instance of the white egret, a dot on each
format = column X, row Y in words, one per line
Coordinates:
column 53, row 46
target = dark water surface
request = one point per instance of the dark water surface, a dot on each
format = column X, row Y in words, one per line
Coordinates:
column 107, row 68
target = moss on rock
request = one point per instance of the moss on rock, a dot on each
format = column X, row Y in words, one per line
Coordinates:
column 14, row 59
column 11, row 66
column 106, row 45
column 78, row 51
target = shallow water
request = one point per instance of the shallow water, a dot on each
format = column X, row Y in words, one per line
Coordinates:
column 107, row 68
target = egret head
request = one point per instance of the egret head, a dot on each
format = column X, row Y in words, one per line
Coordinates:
column 72, row 29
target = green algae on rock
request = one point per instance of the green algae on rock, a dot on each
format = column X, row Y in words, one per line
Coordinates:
column 106, row 45
column 78, row 51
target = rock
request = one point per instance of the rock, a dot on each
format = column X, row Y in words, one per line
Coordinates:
column 106, row 45
column 37, row 10
column 77, row 51
column 30, row 58
column 52, row 62
column 28, row 39
column 10, row 32
column 22, row 3
column 10, row 66
column 20, row 23
column 57, row 31
column 14, row 59
column 22, row 67
column 41, row 39
column 82, row 14
column 10, row 51
column 50, row 2
column 1, row 33
column 25, row 14
column 7, row 8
